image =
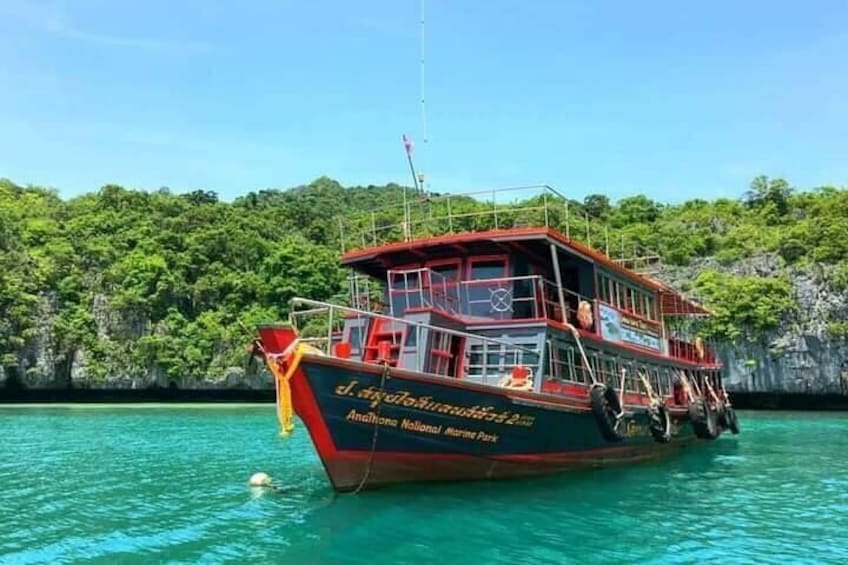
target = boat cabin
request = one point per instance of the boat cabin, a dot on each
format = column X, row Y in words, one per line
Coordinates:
column 552, row 303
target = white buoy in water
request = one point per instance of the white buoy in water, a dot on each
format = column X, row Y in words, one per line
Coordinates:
column 260, row 480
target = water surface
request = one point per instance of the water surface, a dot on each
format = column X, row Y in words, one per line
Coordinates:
column 148, row 483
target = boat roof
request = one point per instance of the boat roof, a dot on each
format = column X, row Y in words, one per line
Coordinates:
column 376, row 260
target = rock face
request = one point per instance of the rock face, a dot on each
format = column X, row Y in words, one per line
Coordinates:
column 40, row 367
column 37, row 361
column 804, row 354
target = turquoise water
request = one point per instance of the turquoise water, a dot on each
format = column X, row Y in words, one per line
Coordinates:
column 168, row 484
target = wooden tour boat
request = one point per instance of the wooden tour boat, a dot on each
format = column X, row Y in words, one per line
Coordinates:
column 495, row 346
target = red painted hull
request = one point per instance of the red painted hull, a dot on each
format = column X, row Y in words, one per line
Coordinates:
column 354, row 469
column 372, row 426
column 346, row 469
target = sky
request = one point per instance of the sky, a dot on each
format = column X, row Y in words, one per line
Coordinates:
column 672, row 99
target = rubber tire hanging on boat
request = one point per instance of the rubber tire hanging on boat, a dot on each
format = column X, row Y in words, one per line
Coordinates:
column 660, row 423
column 607, row 411
column 721, row 415
column 731, row 419
column 704, row 419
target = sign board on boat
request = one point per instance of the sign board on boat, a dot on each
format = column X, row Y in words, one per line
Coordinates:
column 617, row 326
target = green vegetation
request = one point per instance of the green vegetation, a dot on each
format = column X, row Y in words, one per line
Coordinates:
column 140, row 281
column 744, row 306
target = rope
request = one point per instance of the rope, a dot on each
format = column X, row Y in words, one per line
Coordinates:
column 650, row 390
column 686, row 385
column 588, row 365
column 368, row 467
column 710, row 389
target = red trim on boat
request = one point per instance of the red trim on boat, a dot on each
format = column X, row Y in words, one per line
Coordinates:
column 352, row 257
column 347, row 468
column 642, row 351
column 576, row 404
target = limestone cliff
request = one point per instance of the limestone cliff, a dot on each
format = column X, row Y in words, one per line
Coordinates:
column 808, row 353
column 805, row 354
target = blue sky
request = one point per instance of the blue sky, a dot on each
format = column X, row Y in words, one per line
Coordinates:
column 673, row 99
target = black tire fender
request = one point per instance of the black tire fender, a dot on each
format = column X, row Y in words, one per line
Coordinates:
column 732, row 420
column 607, row 411
column 704, row 419
column 660, row 423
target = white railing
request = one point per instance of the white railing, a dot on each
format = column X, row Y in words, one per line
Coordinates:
column 504, row 298
column 523, row 297
column 421, row 215
column 490, row 359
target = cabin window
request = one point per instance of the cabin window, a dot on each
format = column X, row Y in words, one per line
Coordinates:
column 603, row 288
column 485, row 359
column 557, row 371
column 608, row 374
column 626, row 297
column 405, row 291
column 575, row 366
column 486, row 269
column 597, row 365
column 668, row 380
column 560, row 363
column 656, row 381
column 355, row 337
column 621, row 296
column 631, row 379
column 529, row 359
column 445, row 272
column 564, row 364
column 487, row 293
column 411, row 337
column 406, row 280
column 475, row 360
column 640, row 304
column 493, row 360
column 649, row 305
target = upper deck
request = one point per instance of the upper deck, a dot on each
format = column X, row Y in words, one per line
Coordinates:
column 501, row 258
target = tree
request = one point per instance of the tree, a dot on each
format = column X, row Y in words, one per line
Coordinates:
column 597, row 205
column 764, row 192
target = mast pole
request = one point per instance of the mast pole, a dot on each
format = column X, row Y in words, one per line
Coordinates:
column 558, row 278
column 407, row 144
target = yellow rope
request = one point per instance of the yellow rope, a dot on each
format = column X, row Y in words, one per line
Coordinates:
column 285, row 412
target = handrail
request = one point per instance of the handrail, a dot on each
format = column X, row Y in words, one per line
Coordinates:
column 454, row 296
column 318, row 305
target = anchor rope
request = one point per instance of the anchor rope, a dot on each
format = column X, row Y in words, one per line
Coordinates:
column 370, row 464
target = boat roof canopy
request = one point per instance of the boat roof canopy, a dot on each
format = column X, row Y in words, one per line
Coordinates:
column 377, row 260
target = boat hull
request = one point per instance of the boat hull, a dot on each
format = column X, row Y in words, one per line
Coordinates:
column 373, row 426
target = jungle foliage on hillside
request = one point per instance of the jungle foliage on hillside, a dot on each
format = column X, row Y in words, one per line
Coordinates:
column 139, row 279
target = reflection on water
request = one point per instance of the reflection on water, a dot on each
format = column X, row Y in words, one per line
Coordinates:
column 141, row 484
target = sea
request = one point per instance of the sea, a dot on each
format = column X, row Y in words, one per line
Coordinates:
column 169, row 484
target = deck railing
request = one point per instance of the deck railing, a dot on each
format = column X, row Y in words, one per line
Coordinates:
column 502, row 298
column 422, row 215
column 321, row 324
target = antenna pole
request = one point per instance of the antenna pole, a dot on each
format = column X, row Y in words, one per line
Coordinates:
column 421, row 87
column 407, row 144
